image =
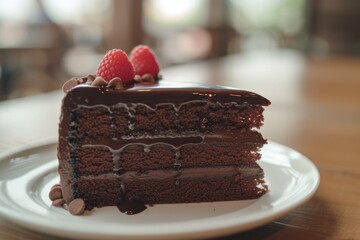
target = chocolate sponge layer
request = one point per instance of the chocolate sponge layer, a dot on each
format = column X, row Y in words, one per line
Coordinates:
column 170, row 186
column 117, row 121
column 99, row 159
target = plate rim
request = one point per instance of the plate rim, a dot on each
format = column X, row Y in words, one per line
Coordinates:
column 219, row 229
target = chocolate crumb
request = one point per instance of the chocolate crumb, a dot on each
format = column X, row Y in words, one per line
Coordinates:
column 77, row 206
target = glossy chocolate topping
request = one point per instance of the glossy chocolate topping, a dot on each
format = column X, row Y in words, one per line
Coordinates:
column 161, row 92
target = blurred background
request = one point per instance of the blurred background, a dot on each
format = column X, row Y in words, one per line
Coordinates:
column 45, row 42
column 303, row 55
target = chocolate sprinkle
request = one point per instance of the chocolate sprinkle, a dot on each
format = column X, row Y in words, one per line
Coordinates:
column 55, row 193
column 99, row 81
column 77, row 206
column 58, row 202
column 68, row 85
column 116, row 83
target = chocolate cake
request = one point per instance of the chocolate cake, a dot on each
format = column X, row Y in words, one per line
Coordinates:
column 159, row 142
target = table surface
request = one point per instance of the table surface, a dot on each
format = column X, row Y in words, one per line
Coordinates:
column 315, row 110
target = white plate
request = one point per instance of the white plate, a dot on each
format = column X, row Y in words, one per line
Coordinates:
column 27, row 174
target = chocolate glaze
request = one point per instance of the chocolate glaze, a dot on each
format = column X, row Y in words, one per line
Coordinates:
column 162, row 92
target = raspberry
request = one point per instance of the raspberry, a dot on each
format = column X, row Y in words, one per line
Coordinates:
column 116, row 64
column 144, row 61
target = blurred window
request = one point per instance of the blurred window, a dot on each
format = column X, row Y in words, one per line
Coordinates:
column 184, row 30
column 162, row 17
column 177, row 26
column 77, row 11
column 268, row 24
column 37, row 38
column 11, row 11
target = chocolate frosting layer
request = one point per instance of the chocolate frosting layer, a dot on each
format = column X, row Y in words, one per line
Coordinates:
column 161, row 92
column 187, row 173
column 236, row 135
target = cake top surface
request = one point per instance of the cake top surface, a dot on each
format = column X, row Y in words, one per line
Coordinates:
column 160, row 92
column 136, row 79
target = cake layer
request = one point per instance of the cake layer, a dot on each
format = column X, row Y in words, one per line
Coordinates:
column 99, row 159
column 161, row 109
column 138, row 119
column 169, row 186
column 139, row 154
column 240, row 136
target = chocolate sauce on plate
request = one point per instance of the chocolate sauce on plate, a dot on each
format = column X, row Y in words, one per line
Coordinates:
column 131, row 206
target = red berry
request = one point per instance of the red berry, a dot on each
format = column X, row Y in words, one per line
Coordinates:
column 144, row 61
column 116, row 64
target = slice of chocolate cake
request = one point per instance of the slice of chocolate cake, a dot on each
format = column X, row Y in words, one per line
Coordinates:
column 158, row 143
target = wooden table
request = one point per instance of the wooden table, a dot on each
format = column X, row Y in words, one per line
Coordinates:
column 315, row 110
